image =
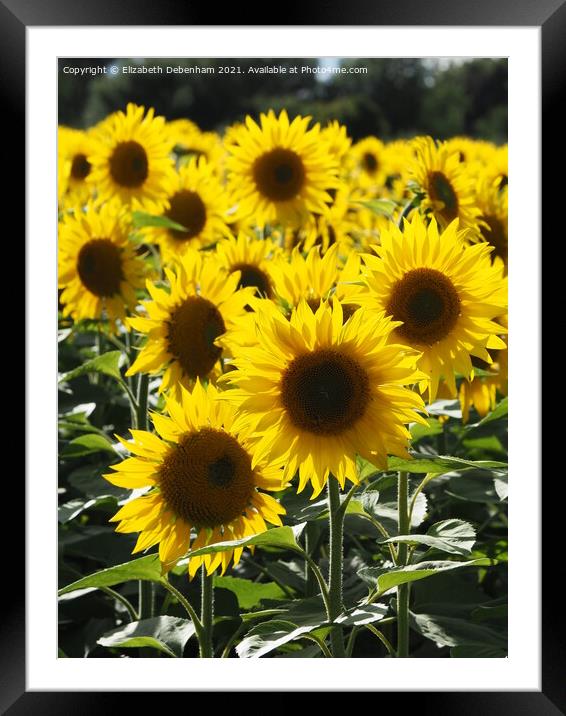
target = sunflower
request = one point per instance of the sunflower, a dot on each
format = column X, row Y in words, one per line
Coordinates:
column 182, row 326
column 252, row 259
column 278, row 171
column 203, row 477
column 445, row 292
column 481, row 391
column 73, row 147
column 189, row 140
column 367, row 163
column 448, row 190
column 317, row 392
column 335, row 136
column 99, row 270
column 309, row 277
column 132, row 159
column 493, row 202
column 197, row 203
column 332, row 227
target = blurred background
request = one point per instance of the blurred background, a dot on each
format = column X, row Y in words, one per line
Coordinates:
column 396, row 97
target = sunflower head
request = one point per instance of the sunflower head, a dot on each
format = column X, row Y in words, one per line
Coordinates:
column 99, row 270
column 204, row 483
column 131, row 159
column 444, row 293
column 335, row 136
column 316, row 391
column 279, row 171
column 493, row 202
column 197, row 204
column 74, row 147
column 252, row 257
column 183, row 326
column 446, row 185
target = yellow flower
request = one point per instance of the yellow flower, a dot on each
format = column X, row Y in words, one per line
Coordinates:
column 203, row 476
column 74, row 147
column 197, row 203
column 481, row 391
column 444, row 292
column 98, row 266
column 279, row 171
column 317, row 392
column 335, row 136
column 189, row 140
column 448, row 190
column 367, row 163
column 252, row 258
column 132, row 159
column 493, row 202
column 182, row 326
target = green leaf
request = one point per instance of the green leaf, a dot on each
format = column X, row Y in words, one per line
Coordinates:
column 383, row 207
column 248, row 593
column 386, row 511
column 74, row 508
column 501, row 487
column 365, row 614
column 418, row 431
column 473, row 487
column 449, row 407
column 453, row 536
column 87, row 444
column 498, row 412
column 267, row 637
column 453, row 631
column 386, row 579
column 282, row 537
column 107, row 364
column 141, row 219
column 146, row 568
column 166, row 634
column 441, row 464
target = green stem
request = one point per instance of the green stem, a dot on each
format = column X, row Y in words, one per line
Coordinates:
column 145, row 610
column 125, row 602
column 320, row 642
column 146, row 599
column 324, row 590
column 336, row 523
column 206, row 613
column 402, row 558
column 143, row 384
column 166, row 584
column 311, row 539
column 382, row 638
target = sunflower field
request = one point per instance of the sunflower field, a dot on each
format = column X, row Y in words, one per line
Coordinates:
column 282, row 391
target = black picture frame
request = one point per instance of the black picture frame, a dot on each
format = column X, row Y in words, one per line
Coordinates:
column 15, row 17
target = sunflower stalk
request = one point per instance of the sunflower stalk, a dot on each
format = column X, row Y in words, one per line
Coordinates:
column 403, row 517
column 336, row 524
column 206, row 613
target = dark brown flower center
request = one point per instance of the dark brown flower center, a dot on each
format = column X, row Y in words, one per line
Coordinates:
column 187, row 209
column 129, row 165
column 99, row 266
column 279, row 174
column 440, row 189
column 207, row 478
column 80, row 167
column 496, row 236
column 253, row 276
column 325, row 392
column 427, row 303
column 193, row 327
column 370, row 163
